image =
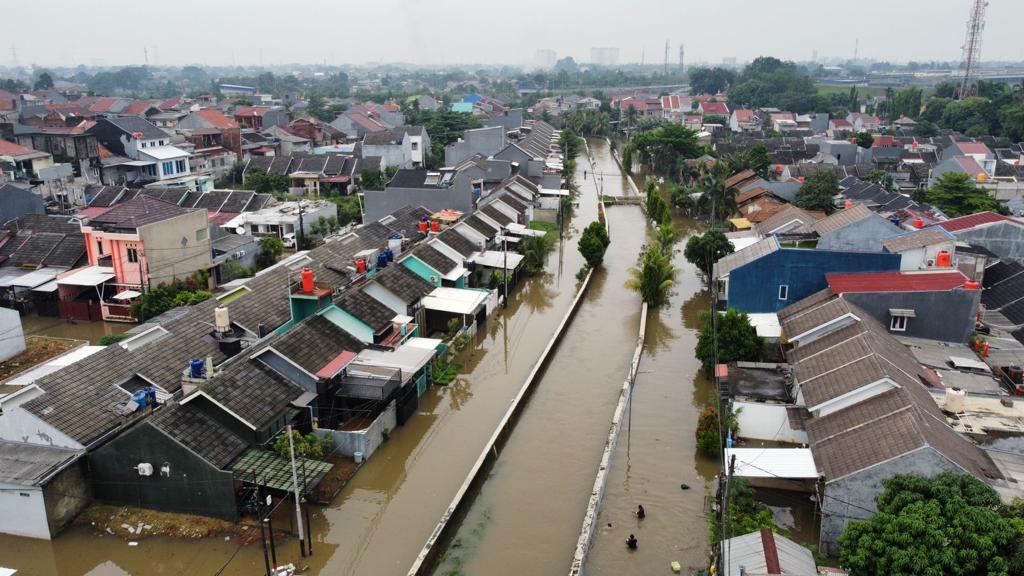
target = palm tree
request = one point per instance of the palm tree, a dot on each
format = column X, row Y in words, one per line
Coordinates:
column 653, row 276
column 714, row 193
column 631, row 115
column 666, row 235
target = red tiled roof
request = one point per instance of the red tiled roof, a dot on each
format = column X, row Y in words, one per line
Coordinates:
column 217, row 118
column 973, row 148
column 969, row 165
column 896, row 281
column 251, row 111
column 884, row 142
column 671, row 102
column 11, row 149
column 136, row 108
column 332, row 368
column 743, row 114
column 168, row 104
column 714, row 107
column 93, row 211
column 974, row 220
column 103, row 104
column 839, row 122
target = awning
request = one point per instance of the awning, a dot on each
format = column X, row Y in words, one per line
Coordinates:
column 773, row 462
column 455, row 300
column 50, row 286
column 497, row 259
column 766, row 324
column 509, row 239
column 740, row 223
column 553, row 192
column 425, row 343
column 521, row 230
column 273, row 471
column 905, row 312
column 127, row 295
column 335, row 179
column 408, row 359
column 304, row 399
column 89, row 276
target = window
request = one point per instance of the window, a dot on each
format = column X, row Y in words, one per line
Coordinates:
column 99, row 247
column 133, row 255
column 180, row 165
column 161, row 142
column 898, row 324
column 143, row 144
column 201, row 234
column 783, row 292
column 415, row 146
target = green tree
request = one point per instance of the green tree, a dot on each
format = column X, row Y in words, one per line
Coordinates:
column 663, row 147
column 271, row 248
column 704, row 250
column 1011, row 118
column 818, row 192
column 233, row 269
column 306, row 446
column 666, row 235
column 164, row 297
column 737, row 339
column 957, row 195
column 535, row 250
column 653, row 276
column 372, row 179
column 755, row 158
column 349, row 210
column 975, row 116
column 716, row 198
column 710, row 80
column 657, row 208
column 944, row 525
column 593, row 242
column 865, row 139
column 880, row 177
column 264, row 183
column 43, row 82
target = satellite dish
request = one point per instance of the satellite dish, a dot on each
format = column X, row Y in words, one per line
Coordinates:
column 240, row 230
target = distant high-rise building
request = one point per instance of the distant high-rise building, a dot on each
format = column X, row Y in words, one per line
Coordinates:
column 604, row 56
column 545, row 58
column 814, row 56
column 729, row 61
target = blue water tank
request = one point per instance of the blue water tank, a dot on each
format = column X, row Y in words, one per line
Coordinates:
column 390, row 254
column 382, row 260
column 196, row 367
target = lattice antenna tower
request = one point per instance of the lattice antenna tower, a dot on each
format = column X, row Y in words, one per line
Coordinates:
column 971, row 50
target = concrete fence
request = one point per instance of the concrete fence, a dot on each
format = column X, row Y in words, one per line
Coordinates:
column 601, row 480
column 449, row 522
column 365, row 441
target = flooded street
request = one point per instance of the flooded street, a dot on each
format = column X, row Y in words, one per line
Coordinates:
column 656, row 452
column 527, row 515
column 35, row 325
column 379, row 522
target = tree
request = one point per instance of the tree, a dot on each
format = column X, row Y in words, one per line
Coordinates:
column 704, row 250
column 975, row 116
column 1011, row 118
column 593, row 243
column 665, row 146
column 164, row 297
column 349, row 210
column 535, row 250
column 865, row 139
column 716, row 198
column 710, row 80
column 43, row 82
column 818, row 192
column 271, row 248
column 957, row 195
column 743, row 515
column 944, row 525
column 657, row 208
column 755, row 158
column 372, row 179
column 233, row 269
column 737, row 339
column 308, row 446
column 880, row 177
column 653, row 276
column 771, row 82
column 264, row 183
column 666, row 235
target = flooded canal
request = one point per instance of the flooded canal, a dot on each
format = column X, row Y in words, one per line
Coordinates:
column 379, row 522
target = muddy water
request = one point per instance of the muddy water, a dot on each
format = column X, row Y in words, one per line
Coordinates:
column 527, row 516
column 379, row 522
column 656, row 453
column 90, row 331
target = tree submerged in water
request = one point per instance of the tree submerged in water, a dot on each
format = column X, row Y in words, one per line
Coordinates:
column 654, row 275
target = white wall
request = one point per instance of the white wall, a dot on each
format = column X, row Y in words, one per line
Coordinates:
column 12, row 342
column 20, row 425
column 385, row 297
column 761, row 421
column 23, row 512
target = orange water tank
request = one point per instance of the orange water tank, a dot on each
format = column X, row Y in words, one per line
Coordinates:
column 972, row 285
column 307, row 279
column 801, row 179
column 778, row 168
column 848, row 204
column 435, row 226
column 423, row 226
column 944, row 259
column 360, row 266
column 918, row 223
column 984, row 349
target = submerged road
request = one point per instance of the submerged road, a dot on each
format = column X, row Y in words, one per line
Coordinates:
column 379, row 522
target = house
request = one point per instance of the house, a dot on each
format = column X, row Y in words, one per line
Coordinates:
column 960, row 165
column 839, row 128
column 869, row 414
column 1002, row 235
column 435, row 266
column 282, row 220
column 862, row 122
column 709, row 108
column 427, row 102
column 288, row 142
column 260, row 118
column 462, row 107
column 151, row 156
column 16, row 201
column 765, row 552
column 485, row 141
column 208, row 127
column 782, row 121
column 401, row 147
column 744, row 120
column 42, row 488
column 920, row 249
column 854, row 228
column 1003, row 297
column 23, row 163
column 766, row 277
column 144, row 242
column 932, row 304
column 419, row 187
column 788, row 219
column 356, row 124
column 69, row 145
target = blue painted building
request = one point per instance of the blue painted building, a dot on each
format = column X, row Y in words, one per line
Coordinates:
column 769, row 277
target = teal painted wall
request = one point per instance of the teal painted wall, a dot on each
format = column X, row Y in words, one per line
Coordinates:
column 422, row 270
column 349, row 323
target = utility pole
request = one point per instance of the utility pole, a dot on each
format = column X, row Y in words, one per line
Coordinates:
column 295, row 485
column 666, row 57
column 856, row 49
column 682, row 63
column 145, row 55
column 504, row 267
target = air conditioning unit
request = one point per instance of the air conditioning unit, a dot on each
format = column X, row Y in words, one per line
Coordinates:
column 434, row 279
column 145, row 469
column 931, row 263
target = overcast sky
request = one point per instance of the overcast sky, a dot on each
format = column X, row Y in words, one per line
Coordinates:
column 114, row 32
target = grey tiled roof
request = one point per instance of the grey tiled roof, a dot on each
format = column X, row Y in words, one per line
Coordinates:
column 496, row 215
column 198, row 432
column 254, row 393
column 474, row 222
column 29, row 464
column 434, row 258
column 798, row 320
column 514, row 202
column 35, row 249
column 457, row 242
column 367, row 309
column 783, row 217
column 403, row 283
column 728, row 263
column 917, row 239
column 841, row 219
column 139, row 211
column 41, row 223
column 104, row 195
column 314, row 342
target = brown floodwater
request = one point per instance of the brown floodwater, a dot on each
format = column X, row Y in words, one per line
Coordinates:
column 34, row 324
column 381, row 519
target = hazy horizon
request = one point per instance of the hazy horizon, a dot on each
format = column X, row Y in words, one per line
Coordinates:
column 445, row 32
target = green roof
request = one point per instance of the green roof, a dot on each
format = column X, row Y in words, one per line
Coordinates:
column 275, row 471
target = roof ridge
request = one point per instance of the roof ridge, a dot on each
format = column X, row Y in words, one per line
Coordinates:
column 904, row 408
column 835, row 368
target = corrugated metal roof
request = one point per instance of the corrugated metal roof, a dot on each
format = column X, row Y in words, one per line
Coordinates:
column 745, row 256
column 896, row 281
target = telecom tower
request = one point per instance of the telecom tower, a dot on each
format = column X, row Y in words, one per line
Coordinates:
column 666, row 57
column 682, row 63
column 972, row 47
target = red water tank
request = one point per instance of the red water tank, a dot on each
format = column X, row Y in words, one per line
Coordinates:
column 361, row 266
column 778, row 168
column 944, row 260
column 972, row 285
column 984, row 349
column 423, row 226
column 801, row 178
column 848, row 204
column 435, row 226
column 307, row 279
column 918, row 223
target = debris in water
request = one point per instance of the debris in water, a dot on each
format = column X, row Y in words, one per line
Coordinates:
column 609, row 524
column 133, row 543
column 227, row 538
column 109, row 531
column 684, row 486
column 138, row 530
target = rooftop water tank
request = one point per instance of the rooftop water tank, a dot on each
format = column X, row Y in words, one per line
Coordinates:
column 307, row 279
column 955, row 400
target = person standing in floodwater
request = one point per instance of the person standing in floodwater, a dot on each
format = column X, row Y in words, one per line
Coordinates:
column 640, row 513
column 631, row 542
